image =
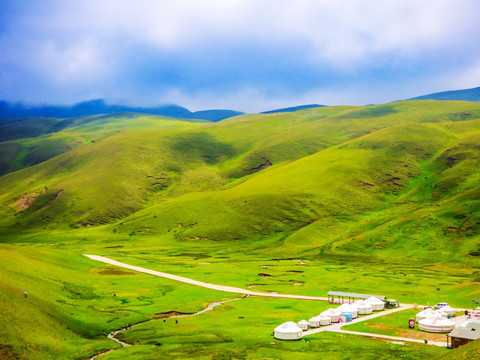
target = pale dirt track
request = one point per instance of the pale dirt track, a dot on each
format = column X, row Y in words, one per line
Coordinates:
column 332, row 328
column 229, row 289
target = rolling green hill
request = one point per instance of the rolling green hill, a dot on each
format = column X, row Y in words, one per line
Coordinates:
column 28, row 141
column 284, row 176
column 363, row 195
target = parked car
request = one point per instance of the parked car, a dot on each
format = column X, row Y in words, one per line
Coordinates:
column 440, row 305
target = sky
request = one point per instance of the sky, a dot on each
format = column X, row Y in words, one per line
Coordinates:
column 246, row 55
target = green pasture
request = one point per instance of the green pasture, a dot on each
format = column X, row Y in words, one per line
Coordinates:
column 243, row 330
column 379, row 199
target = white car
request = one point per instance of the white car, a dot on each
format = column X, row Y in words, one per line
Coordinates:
column 440, row 305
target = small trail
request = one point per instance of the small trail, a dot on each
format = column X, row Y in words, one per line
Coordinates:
column 223, row 288
column 114, row 333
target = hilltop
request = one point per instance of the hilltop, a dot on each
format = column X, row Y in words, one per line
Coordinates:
column 463, row 95
column 99, row 106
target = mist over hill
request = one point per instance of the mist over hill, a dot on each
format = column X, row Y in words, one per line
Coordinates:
column 99, row 106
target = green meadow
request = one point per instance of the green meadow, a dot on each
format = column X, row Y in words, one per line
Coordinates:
column 379, row 199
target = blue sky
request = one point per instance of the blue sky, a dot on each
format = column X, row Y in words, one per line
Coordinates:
column 249, row 55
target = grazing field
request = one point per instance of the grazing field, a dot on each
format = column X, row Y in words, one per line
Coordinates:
column 380, row 199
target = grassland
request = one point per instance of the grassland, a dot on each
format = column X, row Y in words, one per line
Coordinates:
column 381, row 199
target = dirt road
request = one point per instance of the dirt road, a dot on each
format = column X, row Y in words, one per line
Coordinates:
column 223, row 288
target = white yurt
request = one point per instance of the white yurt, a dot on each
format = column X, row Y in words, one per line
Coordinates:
column 363, row 307
column 429, row 312
column 348, row 308
column 441, row 313
column 288, row 331
column 324, row 320
column 314, row 322
column 304, row 324
column 448, row 309
column 333, row 314
column 376, row 303
column 436, row 324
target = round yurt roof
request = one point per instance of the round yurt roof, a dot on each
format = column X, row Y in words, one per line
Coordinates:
column 362, row 304
column 288, row 327
column 315, row 318
column 303, row 322
column 374, row 300
column 322, row 317
column 347, row 308
column 426, row 312
column 437, row 321
column 447, row 308
column 331, row 312
column 441, row 312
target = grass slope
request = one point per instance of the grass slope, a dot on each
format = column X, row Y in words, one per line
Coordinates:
column 29, row 141
column 352, row 191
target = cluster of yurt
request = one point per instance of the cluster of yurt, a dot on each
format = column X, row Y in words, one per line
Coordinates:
column 288, row 331
column 436, row 324
column 436, row 321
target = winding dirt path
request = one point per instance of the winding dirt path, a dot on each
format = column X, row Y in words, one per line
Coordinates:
column 223, row 288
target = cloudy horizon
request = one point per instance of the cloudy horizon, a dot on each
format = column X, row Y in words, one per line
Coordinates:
column 239, row 54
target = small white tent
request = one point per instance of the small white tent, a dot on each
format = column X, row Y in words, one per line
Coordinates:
column 288, row 331
column 314, row 322
column 448, row 309
column 324, row 320
column 376, row 303
column 441, row 313
column 363, row 307
column 425, row 313
column 304, row 324
column 348, row 308
column 436, row 324
column 333, row 314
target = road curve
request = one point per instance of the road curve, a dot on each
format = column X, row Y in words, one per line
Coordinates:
column 228, row 289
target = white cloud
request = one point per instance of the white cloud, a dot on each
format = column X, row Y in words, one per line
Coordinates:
column 85, row 47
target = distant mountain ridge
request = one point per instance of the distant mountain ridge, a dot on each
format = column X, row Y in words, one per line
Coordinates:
column 293, row 108
column 462, row 95
column 98, row 106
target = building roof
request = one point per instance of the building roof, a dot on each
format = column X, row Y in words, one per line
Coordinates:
column 354, row 295
column 465, row 333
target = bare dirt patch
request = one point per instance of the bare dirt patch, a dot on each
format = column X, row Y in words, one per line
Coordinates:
column 414, row 334
column 115, row 272
column 266, row 163
column 365, row 184
column 26, row 200
column 265, row 276
column 170, row 313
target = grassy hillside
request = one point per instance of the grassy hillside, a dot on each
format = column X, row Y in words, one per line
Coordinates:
column 365, row 167
column 29, row 141
column 371, row 199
